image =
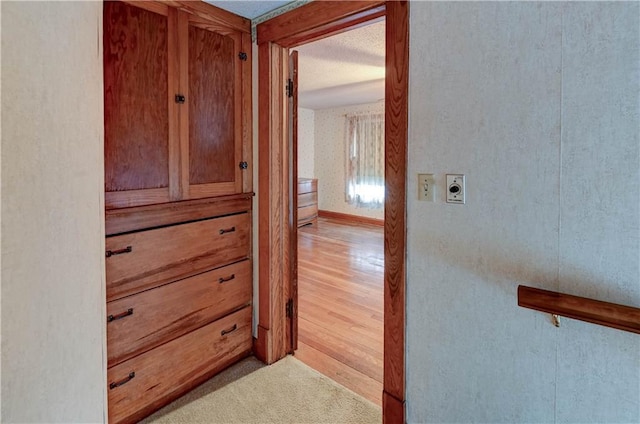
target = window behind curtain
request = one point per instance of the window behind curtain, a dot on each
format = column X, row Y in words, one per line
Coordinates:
column 365, row 159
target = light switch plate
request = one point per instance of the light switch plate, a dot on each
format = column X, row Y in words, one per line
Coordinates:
column 455, row 188
column 426, row 187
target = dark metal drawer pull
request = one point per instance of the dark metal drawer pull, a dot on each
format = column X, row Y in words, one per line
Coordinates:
column 228, row 230
column 120, row 316
column 127, row 249
column 123, row 381
column 231, row 330
column 229, row 278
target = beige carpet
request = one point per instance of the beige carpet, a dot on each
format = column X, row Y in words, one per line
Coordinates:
column 285, row 392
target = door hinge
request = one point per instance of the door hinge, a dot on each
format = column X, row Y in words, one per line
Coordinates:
column 290, row 308
column 242, row 56
column 289, row 87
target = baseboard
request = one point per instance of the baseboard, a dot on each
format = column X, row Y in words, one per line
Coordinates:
column 392, row 409
column 355, row 219
column 261, row 345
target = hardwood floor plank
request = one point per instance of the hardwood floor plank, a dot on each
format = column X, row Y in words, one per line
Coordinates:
column 353, row 380
column 341, row 304
column 344, row 347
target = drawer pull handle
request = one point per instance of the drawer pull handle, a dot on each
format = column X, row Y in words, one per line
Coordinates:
column 127, row 249
column 229, row 278
column 230, row 330
column 120, row 316
column 228, row 230
column 123, row 381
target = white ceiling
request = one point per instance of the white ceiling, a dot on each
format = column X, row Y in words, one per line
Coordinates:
column 345, row 69
column 248, row 9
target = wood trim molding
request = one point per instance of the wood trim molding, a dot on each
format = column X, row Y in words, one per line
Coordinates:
column 393, row 409
column 310, row 22
column 395, row 211
column 273, row 212
column 354, row 219
column 247, row 111
column 212, row 13
column 317, row 20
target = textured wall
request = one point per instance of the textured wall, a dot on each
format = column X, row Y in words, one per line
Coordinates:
column 53, row 309
column 538, row 104
column 329, row 159
column 306, row 145
column 598, row 368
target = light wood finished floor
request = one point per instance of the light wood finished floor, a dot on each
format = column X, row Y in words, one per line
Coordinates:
column 340, row 298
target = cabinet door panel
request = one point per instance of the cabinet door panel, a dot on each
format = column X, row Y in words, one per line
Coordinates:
column 215, row 143
column 135, row 93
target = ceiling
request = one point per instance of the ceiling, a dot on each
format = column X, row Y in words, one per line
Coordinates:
column 248, row 9
column 345, row 69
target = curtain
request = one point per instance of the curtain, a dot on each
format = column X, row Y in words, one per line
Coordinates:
column 365, row 160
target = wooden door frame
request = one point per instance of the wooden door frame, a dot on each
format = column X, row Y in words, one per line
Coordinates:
column 310, row 22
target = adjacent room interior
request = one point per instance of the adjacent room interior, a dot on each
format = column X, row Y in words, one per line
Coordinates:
column 341, row 207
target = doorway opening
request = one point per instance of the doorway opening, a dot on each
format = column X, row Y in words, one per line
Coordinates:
column 340, row 237
column 276, row 320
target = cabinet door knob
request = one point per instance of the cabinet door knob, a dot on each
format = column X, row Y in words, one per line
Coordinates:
column 180, row 98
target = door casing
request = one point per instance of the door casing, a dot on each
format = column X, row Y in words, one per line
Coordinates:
column 313, row 21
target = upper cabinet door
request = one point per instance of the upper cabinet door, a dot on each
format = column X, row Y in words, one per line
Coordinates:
column 136, row 99
column 212, row 73
column 177, row 90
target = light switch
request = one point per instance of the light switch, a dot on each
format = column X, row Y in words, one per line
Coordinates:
column 455, row 188
column 426, row 187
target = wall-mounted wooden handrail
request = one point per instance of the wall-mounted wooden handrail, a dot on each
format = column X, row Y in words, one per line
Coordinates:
column 622, row 317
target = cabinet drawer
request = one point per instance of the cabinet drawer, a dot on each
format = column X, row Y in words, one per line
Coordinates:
column 307, row 213
column 147, row 382
column 307, row 185
column 148, row 319
column 307, row 199
column 154, row 257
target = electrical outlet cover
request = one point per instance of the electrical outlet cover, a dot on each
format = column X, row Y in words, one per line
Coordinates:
column 455, row 188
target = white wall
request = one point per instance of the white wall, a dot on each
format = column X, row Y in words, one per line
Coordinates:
column 53, row 299
column 538, row 104
column 330, row 157
column 306, row 145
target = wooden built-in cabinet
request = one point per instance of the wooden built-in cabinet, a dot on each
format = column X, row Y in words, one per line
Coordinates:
column 177, row 88
column 178, row 299
column 178, row 196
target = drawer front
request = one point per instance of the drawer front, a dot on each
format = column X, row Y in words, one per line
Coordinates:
column 166, row 254
column 307, row 199
column 153, row 317
column 307, row 213
column 307, row 185
column 147, row 382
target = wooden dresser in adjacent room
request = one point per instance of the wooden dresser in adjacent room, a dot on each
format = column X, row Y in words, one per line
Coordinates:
column 307, row 201
column 178, row 196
